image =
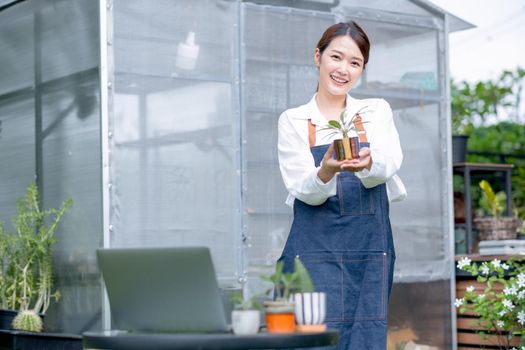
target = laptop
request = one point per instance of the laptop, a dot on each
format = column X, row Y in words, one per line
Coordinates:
column 162, row 290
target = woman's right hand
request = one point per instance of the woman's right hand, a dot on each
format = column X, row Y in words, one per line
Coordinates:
column 329, row 165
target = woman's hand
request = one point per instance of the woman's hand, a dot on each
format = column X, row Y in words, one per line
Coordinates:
column 329, row 165
column 363, row 162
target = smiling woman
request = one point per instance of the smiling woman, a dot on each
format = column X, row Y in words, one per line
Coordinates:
column 341, row 227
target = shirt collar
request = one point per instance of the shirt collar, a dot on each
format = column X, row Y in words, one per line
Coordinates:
column 313, row 112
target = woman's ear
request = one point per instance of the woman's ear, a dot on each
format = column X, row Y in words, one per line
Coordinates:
column 317, row 58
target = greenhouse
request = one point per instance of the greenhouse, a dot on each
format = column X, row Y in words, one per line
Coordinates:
column 159, row 120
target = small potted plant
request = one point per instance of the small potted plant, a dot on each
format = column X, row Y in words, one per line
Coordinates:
column 26, row 276
column 280, row 313
column 347, row 147
column 498, row 300
column 494, row 226
column 246, row 315
column 310, row 306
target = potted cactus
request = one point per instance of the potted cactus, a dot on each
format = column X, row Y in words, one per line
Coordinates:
column 346, row 148
column 26, row 276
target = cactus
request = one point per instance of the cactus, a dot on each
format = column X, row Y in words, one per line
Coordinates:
column 28, row 320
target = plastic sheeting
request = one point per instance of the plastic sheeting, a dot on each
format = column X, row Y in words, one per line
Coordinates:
column 49, row 114
column 192, row 146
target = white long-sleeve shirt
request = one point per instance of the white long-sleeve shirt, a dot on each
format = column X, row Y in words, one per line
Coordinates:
column 297, row 163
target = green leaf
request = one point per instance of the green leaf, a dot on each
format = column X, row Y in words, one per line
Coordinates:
column 335, row 124
column 304, row 281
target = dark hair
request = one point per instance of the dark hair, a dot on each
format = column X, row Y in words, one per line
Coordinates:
column 353, row 30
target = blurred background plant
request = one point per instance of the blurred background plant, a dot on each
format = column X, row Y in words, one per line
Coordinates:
column 491, row 112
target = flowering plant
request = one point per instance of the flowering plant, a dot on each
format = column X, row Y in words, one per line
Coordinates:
column 501, row 304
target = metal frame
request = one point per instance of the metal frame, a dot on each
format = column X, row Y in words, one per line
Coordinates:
column 105, row 10
column 448, row 201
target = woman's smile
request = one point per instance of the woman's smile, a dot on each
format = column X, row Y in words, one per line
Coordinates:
column 340, row 81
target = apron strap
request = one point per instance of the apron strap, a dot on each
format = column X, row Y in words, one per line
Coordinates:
column 311, row 133
column 358, row 122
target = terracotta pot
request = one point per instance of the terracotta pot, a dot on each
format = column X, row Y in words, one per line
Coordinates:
column 279, row 316
column 490, row 228
column 347, row 148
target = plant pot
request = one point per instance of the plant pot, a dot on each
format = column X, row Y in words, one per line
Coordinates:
column 347, row 148
column 6, row 318
column 245, row 321
column 310, row 311
column 16, row 340
column 459, row 148
column 490, row 228
column 279, row 316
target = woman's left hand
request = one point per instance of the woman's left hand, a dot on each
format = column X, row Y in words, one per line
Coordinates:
column 363, row 162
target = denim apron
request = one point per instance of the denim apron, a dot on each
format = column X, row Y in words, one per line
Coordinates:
column 346, row 244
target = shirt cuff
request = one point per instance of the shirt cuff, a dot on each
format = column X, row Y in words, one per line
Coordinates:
column 375, row 170
column 329, row 188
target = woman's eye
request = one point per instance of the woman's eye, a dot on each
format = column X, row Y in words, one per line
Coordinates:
column 356, row 64
column 335, row 57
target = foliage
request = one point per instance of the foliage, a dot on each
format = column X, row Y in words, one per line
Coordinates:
column 492, row 203
column 344, row 126
column 26, row 276
column 473, row 104
column 286, row 283
column 507, row 138
column 243, row 303
column 500, row 311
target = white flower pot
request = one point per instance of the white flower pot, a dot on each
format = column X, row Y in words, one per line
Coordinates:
column 245, row 321
column 310, row 311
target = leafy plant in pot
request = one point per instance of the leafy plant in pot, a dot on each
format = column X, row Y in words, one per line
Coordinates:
column 26, row 275
column 495, row 226
column 347, row 147
column 289, row 287
column 246, row 315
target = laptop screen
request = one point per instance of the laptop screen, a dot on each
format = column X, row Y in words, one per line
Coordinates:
column 162, row 289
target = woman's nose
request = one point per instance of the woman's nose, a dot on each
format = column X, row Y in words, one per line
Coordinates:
column 343, row 67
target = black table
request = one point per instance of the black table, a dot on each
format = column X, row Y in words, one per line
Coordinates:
column 116, row 340
column 22, row 340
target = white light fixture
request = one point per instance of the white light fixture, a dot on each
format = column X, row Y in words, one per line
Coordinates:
column 187, row 53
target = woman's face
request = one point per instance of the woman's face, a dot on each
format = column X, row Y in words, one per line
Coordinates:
column 340, row 66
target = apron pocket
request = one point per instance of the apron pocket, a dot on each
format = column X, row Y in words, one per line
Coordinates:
column 365, row 286
column 354, row 198
column 326, row 272
column 355, row 283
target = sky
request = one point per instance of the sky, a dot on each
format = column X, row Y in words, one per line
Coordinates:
column 497, row 43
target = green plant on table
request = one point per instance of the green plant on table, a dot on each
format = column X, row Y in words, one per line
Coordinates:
column 286, row 283
column 500, row 304
column 26, row 275
column 244, row 303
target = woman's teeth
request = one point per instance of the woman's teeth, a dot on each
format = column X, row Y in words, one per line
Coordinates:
column 339, row 80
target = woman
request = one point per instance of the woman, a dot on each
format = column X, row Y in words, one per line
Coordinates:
column 341, row 228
